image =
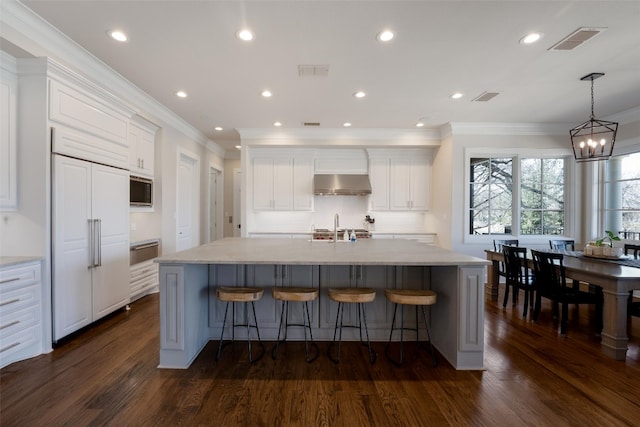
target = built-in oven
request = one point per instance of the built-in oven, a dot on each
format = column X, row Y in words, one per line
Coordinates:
column 140, row 191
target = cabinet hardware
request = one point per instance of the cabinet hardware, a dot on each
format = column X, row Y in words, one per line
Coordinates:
column 13, row 279
column 91, row 247
column 11, row 301
column 9, row 347
column 15, row 322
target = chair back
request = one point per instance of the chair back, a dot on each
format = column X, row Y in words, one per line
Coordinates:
column 549, row 270
column 498, row 244
column 562, row 245
column 632, row 249
column 515, row 263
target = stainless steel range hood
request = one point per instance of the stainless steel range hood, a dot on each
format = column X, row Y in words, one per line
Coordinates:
column 341, row 185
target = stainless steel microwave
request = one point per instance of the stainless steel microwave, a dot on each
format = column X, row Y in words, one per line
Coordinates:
column 140, row 191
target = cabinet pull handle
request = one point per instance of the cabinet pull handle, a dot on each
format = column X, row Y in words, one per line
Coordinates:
column 99, row 243
column 15, row 322
column 13, row 279
column 142, row 162
column 15, row 344
column 11, row 301
column 91, row 247
column 150, row 245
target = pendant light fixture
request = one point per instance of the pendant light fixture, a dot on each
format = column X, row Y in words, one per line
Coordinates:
column 594, row 139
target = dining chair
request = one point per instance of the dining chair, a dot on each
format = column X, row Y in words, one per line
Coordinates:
column 633, row 308
column 497, row 247
column 551, row 283
column 518, row 276
column 562, row 245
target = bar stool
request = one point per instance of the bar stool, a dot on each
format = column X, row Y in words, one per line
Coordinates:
column 417, row 298
column 242, row 295
column 358, row 296
column 295, row 294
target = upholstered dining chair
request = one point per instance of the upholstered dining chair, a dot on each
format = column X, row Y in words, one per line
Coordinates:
column 634, row 306
column 562, row 245
column 551, row 283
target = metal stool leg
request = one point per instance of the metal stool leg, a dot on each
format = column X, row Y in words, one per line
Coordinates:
column 335, row 331
column 260, row 343
column 278, row 341
column 372, row 355
column 313, row 343
column 222, row 333
column 426, row 327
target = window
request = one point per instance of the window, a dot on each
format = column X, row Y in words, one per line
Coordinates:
column 497, row 184
column 622, row 196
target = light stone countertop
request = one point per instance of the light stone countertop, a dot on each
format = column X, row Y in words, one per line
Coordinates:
column 305, row 252
column 6, row 261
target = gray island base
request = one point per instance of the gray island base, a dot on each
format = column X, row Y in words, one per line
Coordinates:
column 190, row 314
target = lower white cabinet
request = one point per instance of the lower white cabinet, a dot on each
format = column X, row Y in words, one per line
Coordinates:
column 144, row 279
column 20, row 312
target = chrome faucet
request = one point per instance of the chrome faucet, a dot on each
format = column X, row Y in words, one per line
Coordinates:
column 336, row 224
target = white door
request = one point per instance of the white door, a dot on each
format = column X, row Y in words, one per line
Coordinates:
column 187, row 201
column 72, row 259
column 237, row 197
column 110, row 210
column 214, row 176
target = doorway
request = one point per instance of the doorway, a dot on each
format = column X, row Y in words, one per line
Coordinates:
column 187, row 200
column 215, row 186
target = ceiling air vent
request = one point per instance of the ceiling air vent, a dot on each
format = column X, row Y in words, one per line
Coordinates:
column 311, row 124
column 485, row 96
column 576, row 38
column 313, row 70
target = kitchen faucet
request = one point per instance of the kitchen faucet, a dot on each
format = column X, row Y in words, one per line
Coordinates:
column 336, row 224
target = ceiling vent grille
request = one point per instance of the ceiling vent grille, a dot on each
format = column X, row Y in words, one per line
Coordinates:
column 576, row 38
column 485, row 96
column 312, row 124
column 313, row 70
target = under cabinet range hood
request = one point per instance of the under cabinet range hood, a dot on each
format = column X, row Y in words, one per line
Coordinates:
column 341, row 185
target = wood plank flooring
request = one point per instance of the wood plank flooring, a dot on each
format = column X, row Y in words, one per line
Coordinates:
column 107, row 375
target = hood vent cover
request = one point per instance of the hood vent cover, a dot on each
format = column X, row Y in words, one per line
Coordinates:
column 341, row 185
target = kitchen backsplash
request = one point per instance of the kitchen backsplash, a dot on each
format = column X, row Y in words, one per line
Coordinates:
column 352, row 211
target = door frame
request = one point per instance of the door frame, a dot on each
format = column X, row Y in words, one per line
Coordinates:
column 195, row 182
column 214, row 204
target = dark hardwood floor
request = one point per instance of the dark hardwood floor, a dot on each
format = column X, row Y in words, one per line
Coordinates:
column 107, row 375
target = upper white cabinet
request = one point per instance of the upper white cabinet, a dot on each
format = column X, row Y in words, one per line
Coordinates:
column 142, row 135
column 400, row 179
column 88, row 123
column 8, row 159
column 282, row 182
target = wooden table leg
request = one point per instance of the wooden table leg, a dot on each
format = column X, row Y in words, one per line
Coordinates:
column 493, row 280
column 614, row 333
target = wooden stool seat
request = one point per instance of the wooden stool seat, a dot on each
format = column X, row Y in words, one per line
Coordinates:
column 411, row 296
column 352, row 295
column 239, row 294
column 295, row 294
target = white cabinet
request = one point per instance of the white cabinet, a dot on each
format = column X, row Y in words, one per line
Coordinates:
column 8, row 123
column 144, row 279
column 142, row 148
column 20, row 312
column 282, row 183
column 90, row 242
column 400, row 179
column 272, row 184
column 409, row 180
column 88, row 125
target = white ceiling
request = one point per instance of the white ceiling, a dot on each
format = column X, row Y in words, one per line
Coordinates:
column 440, row 47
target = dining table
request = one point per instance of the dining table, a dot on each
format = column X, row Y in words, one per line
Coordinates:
column 617, row 276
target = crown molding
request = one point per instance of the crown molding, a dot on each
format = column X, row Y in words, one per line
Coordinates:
column 341, row 136
column 510, row 128
column 46, row 40
column 631, row 115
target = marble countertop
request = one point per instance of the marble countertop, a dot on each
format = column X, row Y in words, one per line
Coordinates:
column 305, row 252
column 14, row 260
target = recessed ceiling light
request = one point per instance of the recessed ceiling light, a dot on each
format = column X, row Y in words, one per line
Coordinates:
column 530, row 38
column 347, row 124
column 218, row 128
column 456, row 95
column 117, row 35
column 419, row 124
column 238, row 146
column 385, row 36
column 245, row 35
column 266, row 93
column 277, row 124
column 181, row 94
column 359, row 94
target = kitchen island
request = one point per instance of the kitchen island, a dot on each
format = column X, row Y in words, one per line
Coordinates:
column 190, row 314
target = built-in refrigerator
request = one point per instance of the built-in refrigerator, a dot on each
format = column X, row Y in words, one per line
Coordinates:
column 90, row 242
